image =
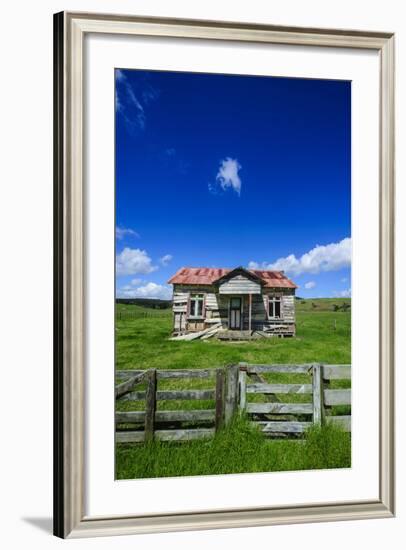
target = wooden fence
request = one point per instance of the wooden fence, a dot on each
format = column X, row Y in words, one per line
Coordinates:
column 230, row 389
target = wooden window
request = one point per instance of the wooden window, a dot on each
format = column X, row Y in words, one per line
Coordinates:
column 196, row 305
column 274, row 307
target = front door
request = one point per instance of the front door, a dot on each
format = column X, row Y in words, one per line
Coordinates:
column 235, row 313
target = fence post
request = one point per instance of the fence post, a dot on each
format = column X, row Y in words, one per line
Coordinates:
column 318, row 395
column 242, row 386
column 150, row 405
column 219, row 417
column 231, row 392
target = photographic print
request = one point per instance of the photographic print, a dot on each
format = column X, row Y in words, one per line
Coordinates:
column 233, row 274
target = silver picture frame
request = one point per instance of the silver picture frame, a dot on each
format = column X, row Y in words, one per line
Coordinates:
column 70, row 30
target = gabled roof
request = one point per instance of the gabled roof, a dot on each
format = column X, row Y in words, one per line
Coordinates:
column 240, row 271
column 210, row 275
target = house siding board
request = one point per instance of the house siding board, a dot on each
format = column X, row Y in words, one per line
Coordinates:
column 240, row 285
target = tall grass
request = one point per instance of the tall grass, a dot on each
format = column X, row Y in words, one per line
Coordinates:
column 239, row 448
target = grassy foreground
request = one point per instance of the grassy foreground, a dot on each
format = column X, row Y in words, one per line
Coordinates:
column 323, row 335
column 240, row 448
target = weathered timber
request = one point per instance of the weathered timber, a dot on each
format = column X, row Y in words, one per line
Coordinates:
column 128, row 385
column 344, row 421
column 270, row 397
column 211, row 333
column 231, row 401
column 279, row 388
column 150, row 405
column 318, row 408
column 337, row 372
column 163, row 395
column 174, row 373
column 283, row 427
column 242, row 389
column 280, row 408
column 337, row 397
column 195, row 335
column 203, row 415
column 165, row 435
column 240, row 285
column 294, row 369
column 220, row 401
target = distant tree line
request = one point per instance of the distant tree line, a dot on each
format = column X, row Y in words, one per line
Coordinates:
column 153, row 303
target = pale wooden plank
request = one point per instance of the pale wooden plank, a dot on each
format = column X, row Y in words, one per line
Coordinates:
column 279, row 388
column 162, row 395
column 337, row 397
column 317, row 383
column 296, row 369
column 191, row 373
column 220, row 389
column 283, row 427
column 166, row 435
column 280, row 408
column 150, row 405
column 336, row 372
column 231, row 399
column 167, row 416
column 128, row 385
column 242, row 387
column 172, row 373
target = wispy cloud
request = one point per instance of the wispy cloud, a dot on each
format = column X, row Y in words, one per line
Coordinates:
column 132, row 99
column 227, row 177
column 132, row 261
column 122, row 232
column 344, row 280
column 309, row 285
column 165, row 260
column 330, row 257
column 342, row 293
column 149, row 290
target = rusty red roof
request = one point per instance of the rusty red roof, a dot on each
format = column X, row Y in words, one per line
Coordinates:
column 209, row 275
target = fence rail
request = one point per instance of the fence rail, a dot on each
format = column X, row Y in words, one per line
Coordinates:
column 232, row 385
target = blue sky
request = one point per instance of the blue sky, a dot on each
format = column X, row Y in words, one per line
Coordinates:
column 226, row 170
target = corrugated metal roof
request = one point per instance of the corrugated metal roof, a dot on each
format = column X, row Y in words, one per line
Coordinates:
column 209, row 275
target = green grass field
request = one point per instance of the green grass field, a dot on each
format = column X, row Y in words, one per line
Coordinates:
column 323, row 335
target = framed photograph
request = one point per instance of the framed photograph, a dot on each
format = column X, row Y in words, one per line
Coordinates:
column 224, row 275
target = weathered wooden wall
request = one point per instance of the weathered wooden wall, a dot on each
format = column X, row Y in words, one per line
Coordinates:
column 240, row 285
column 216, row 306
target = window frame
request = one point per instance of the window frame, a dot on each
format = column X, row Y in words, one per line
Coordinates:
column 194, row 299
column 273, row 299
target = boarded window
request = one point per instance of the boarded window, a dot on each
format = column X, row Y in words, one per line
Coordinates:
column 274, row 309
column 196, row 305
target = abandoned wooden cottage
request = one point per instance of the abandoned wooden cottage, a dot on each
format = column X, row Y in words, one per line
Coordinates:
column 233, row 302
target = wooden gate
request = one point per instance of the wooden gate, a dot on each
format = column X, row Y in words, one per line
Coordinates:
column 277, row 409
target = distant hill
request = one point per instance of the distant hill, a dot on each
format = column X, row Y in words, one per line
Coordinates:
column 323, row 304
column 146, row 302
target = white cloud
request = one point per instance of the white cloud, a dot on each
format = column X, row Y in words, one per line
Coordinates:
column 342, row 293
column 135, row 282
column 132, row 261
column 309, row 285
column 227, row 176
column 149, row 290
column 330, row 257
column 131, row 99
column 165, row 259
column 121, row 232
